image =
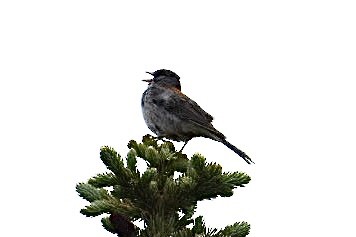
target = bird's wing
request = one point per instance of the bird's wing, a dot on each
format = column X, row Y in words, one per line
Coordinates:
column 187, row 109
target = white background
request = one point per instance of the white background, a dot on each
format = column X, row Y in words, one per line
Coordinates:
column 278, row 76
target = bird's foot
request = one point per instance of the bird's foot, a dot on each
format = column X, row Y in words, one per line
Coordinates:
column 160, row 139
column 185, row 143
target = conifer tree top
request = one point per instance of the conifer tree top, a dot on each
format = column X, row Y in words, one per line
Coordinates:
column 164, row 196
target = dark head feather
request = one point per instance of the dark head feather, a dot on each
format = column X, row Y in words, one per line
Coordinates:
column 165, row 72
column 166, row 77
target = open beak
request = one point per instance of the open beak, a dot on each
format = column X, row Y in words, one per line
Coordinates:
column 148, row 80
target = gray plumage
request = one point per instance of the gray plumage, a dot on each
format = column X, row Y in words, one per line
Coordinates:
column 171, row 114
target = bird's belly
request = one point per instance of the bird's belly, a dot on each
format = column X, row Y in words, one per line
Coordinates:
column 163, row 123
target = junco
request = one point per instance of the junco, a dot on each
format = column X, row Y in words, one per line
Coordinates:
column 171, row 114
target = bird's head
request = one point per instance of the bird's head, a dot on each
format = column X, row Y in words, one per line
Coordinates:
column 164, row 77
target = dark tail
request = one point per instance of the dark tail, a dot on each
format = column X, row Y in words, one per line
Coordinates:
column 237, row 151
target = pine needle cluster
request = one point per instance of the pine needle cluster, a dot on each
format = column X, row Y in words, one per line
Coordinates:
column 164, row 196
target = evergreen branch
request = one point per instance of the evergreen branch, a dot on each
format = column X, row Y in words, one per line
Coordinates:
column 132, row 161
column 146, row 152
column 114, row 163
column 111, row 159
column 152, row 156
column 97, row 208
column 148, row 140
column 199, row 230
column 111, row 205
column 236, row 179
column 106, row 223
column 103, row 180
column 186, row 232
column 140, row 149
column 211, row 182
column 186, row 219
column 199, row 226
column 91, row 193
column 239, row 229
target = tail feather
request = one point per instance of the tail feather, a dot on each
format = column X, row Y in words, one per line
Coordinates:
column 237, row 151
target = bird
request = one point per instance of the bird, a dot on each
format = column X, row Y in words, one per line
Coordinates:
column 172, row 115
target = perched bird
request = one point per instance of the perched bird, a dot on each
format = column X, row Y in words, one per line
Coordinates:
column 171, row 114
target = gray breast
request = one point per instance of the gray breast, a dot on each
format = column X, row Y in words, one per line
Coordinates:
column 158, row 119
